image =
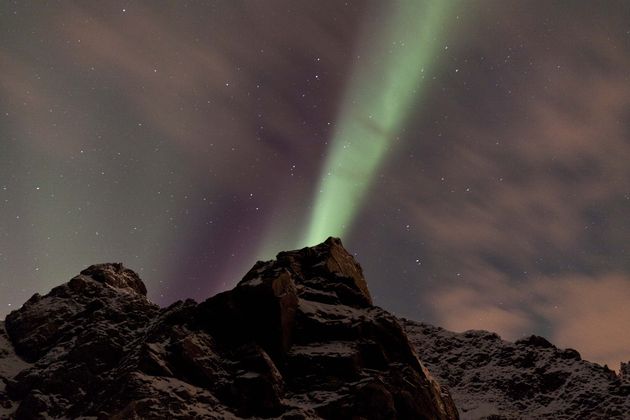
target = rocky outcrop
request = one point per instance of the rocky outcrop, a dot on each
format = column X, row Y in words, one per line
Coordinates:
column 490, row 378
column 297, row 338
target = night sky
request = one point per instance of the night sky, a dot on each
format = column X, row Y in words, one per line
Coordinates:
column 474, row 155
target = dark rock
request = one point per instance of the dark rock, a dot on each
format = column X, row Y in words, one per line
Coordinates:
column 550, row 381
column 115, row 275
column 260, row 309
column 534, row 340
column 570, row 354
column 624, row 372
column 330, row 267
column 34, row 406
column 298, row 337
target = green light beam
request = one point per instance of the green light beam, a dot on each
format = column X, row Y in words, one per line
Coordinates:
column 387, row 82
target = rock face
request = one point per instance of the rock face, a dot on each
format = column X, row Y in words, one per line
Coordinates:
column 297, row 338
column 624, row 372
column 490, row 378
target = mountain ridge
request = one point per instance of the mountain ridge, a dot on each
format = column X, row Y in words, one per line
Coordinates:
column 493, row 378
column 297, row 338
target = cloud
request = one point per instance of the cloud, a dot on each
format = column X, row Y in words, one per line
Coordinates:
column 516, row 179
column 586, row 313
column 466, row 308
column 204, row 86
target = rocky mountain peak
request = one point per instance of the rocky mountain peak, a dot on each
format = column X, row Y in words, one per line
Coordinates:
column 327, row 260
column 116, row 276
column 297, row 338
column 102, row 294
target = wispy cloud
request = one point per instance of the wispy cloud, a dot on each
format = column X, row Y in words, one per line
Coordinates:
column 523, row 199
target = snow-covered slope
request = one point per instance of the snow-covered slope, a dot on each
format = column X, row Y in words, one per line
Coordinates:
column 529, row 379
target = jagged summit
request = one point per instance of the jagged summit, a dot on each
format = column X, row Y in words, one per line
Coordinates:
column 315, row 267
column 329, row 258
column 297, row 338
column 117, row 276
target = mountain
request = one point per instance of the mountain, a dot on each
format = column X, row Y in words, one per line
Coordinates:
column 529, row 379
column 297, row 338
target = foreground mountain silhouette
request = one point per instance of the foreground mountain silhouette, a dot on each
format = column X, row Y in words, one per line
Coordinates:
column 297, row 338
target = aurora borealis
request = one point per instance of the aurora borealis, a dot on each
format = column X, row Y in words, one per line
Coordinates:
column 389, row 78
column 474, row 155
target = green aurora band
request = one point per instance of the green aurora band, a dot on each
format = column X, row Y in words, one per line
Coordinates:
column 386, row 84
